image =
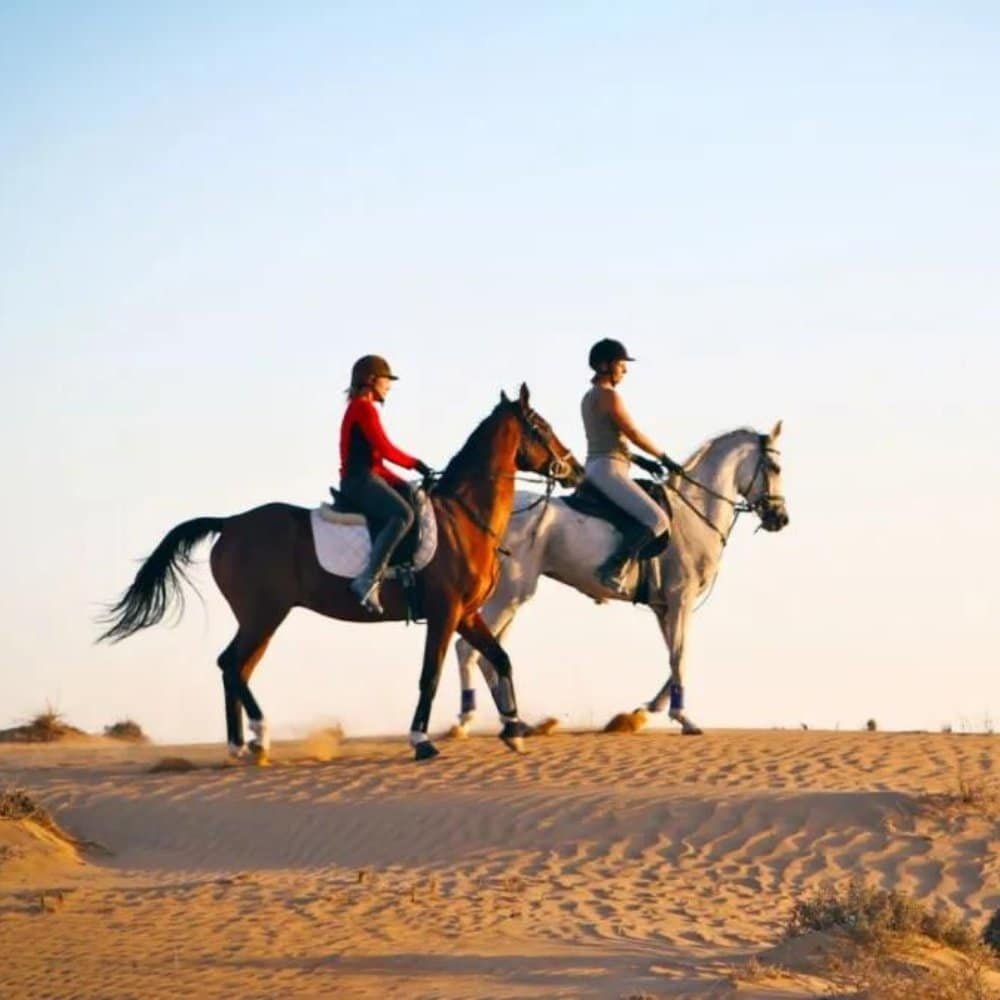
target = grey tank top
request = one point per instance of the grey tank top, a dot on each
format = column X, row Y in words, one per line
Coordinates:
column 604, row 439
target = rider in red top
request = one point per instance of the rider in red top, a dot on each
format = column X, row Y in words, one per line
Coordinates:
column 364, row 445
column 364, row 479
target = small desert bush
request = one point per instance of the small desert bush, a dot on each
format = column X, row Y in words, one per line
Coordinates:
column 126, row 730
column 46, row 727
column 872, row 916
column 970, row 795
column 16, row 803
column 870, row 975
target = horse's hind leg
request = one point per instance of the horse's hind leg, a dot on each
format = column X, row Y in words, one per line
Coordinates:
column 237, row 663
column 477, row 634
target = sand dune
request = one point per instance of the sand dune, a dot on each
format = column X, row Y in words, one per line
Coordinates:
column 595, row 866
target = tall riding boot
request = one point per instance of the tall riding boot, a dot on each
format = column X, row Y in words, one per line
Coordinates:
column 613, row 571
column 365, row 587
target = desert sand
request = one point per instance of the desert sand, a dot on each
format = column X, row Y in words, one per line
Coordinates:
column 644, row 865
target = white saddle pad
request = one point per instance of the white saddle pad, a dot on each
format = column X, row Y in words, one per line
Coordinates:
column 342, row 549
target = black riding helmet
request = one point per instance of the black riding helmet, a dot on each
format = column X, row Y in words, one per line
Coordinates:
column 606, row 352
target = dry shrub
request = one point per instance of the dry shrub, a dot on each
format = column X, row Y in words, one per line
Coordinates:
column 871, row 725
column 16, row 803
column 753, row 970
column 127, row 730
column 46, row 727
column 875, row 975
column 173, row 765
column 975, row 795
column 874, row 916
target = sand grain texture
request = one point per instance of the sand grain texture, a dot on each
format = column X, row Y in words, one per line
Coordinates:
column 595, row 866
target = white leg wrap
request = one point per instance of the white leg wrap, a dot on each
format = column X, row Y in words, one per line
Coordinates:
column 236, row 751
column 262, row 731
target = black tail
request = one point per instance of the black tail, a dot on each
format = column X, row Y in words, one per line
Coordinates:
column 157, row 586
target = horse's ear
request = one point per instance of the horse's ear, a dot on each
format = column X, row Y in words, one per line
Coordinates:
column 503, row 397
column 525, row 395
column 775, row 431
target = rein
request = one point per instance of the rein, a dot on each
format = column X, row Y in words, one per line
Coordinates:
column 739, row 506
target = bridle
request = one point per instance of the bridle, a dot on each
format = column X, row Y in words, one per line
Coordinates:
column 559, row 467
column 762, row 506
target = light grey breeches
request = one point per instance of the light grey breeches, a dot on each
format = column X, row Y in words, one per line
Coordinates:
column 610, row 476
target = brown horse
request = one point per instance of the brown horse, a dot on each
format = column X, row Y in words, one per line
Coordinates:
column 265, row 564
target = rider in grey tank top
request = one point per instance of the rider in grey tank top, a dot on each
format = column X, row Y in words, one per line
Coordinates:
column 609, row 428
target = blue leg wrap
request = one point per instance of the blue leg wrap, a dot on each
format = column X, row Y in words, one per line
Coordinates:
column 468, row 700
column 676, row 698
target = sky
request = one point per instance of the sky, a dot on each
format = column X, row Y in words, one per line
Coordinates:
column 785, row 210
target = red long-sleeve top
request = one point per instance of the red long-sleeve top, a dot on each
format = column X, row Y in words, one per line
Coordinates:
column 364, row 446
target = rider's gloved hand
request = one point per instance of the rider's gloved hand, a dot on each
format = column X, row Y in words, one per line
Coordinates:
column 423, row 468
column 649, row 465
column 669, row 464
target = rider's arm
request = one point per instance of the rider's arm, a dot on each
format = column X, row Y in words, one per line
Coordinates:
column 371, row 427
column 618, row 413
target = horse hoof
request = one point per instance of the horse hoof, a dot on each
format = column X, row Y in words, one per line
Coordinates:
column 425, row 751
column 692, row 730
column 259, row 755
column 458, row 732
column 513, row 735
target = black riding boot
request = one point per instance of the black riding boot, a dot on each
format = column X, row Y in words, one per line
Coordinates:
column 365, row 587
column 614, row 569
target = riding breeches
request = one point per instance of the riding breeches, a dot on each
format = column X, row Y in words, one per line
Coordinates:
column 610, row 476
column 381, row 503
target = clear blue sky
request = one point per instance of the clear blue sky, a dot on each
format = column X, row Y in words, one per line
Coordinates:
column 784, row 209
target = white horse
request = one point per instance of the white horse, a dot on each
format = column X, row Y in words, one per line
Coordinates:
column 551, row 539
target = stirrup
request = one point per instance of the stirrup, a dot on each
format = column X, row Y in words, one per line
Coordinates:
column 366, row 591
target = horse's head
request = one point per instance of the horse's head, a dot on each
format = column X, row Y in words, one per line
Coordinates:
column 760, row 482
column 539, row 450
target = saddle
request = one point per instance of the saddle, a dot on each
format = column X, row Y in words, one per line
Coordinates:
column 591, row 502
column 342, row 511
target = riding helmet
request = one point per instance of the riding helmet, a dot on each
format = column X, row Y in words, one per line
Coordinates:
column 606, row 352
column 368, row 368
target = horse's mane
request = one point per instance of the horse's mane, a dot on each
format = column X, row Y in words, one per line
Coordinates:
column 702, row 450
column 476, row 446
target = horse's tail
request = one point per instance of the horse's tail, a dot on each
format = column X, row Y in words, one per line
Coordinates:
column 157, row 586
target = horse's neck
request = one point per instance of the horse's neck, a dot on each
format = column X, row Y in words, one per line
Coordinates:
column 485, row 485
column 717, row 468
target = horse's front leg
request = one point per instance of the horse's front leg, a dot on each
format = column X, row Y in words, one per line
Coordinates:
column 673, row 622
column 477, row 634
column 440, row 629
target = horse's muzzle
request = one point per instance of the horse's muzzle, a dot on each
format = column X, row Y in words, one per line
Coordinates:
column 773, row 518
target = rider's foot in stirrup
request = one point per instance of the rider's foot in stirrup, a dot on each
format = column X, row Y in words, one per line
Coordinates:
column 366, row 591
column 614, row 579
